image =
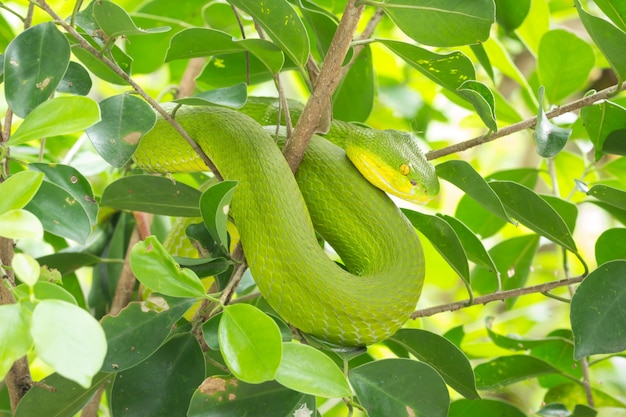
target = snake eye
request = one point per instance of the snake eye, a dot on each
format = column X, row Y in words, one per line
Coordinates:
column 405, row 169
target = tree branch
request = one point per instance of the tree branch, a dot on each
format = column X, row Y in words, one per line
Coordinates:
column 327, row 82
column 526, row 124
column 497, row 296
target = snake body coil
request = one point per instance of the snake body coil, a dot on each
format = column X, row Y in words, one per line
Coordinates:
column 277, row 218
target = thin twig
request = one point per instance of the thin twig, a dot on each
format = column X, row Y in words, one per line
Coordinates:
column 497, row 296
column 526, row 124
column 118, row 71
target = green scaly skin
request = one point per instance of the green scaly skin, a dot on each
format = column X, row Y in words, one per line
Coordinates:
column 375, row 241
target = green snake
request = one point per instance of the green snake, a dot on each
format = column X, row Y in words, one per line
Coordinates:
column 373, row 292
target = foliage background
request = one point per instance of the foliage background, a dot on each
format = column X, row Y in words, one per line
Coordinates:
column 527, row 340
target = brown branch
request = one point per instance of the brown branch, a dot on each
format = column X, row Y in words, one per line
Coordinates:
column 118, row 71
column 327, row 82
column 366, row 34
column 496, row 296
column 526, row 124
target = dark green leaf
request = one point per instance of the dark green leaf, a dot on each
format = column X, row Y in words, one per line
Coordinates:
column 516, row 343
column 60, row 213
column 55, row 117
column 66, row 399
column 465, row 177
column 534, row 212
column 162, row 385
column 234, row 97
column 611, row 245
column 213, row 203
column 281, row 22
column 513, row 257
column 608, row 38
column 152, row 194
column 567, row 210
column 509, row 369
column 448, row 70
column 100, row 69
column 598, row 311
column 250, row 343
column 445, row 240
column 601, row 120
column 560, row 353
column 354, row 98
column 72, row 181
column 157, row 270
column 479, row 51
column 550, row 139
column 449, row 361
column 114, row 21
column 201, row 42
column 75, row 81
column 139, row 330
column 68, row 262
column 125, row 119
column 474, row 248
column 222, row 396
column 564, row 64
column 511, row 13
column 395, row 387
column 610, row 195
column 483, row 101
column 483, row 407
column 444, row 23
column 204, row 267
column 34, row 65
column 266, row 52
column 615, row 10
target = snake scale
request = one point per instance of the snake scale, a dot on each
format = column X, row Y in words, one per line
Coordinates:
column 378, row 285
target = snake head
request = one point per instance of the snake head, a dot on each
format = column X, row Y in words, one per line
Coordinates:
column 392, row 161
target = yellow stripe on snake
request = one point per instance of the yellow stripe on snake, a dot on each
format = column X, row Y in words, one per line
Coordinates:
column 277, row 217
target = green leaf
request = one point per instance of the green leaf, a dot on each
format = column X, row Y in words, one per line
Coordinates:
column 234, row 97
column 608, row 38
column 76, row 80
column 464, row 176
column 55, row 117
column 509, row 369
column 550, row 139
column 598, row 312
column 444, row 239
column 306, row 369
column 511, row 13
column 566, row 209
column 534, row 212
column 67, row 398
column 513, row 258
column 155, row 268
column 281, row 22
column 150, row 194
column 214, row 204
column 44, row 291
column 395, row 387
column 68, row 262
column 169, row 377
column 563, row 64
column 15, row 339
column 222, row 396
column 354, row 98
column 68, row 339
column 444, row 23
column 125, row 120
column 560, row 353
column 114, row 21
column 481, row 55
column 611, row 245
column 139, row 330
column 615, row 10
column 60, row 212
column 483, row 407
column 20, row 224
column 447, row 359
column 483, row 101
column 514, row 342
column 250, row 343
column 474, row 248
column 266, row 52
column 572, row 394
column 449, row 70
column 18, row 190
column 72, row 181
column 201, row 42
column 610, row 195
column 99, row 68
column 34, row 65
column 604, row 122
column 26, row 268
